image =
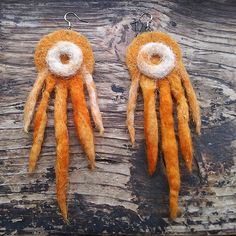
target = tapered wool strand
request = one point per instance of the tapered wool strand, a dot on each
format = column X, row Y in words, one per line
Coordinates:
column 62, row 146
column 192, row 98
column 82, row 119
column 96, row 114
column 133, row 93
column 60, row 58
column 40, row 122
column 150, row 122
column 32, row 99
column 185, row 139
column 169, row 145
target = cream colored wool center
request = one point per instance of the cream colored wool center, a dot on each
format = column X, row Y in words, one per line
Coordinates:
column 74, row 54
column 154, row 71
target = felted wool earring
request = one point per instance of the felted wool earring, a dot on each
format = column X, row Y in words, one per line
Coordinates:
column 155, row 63
column 64, row 61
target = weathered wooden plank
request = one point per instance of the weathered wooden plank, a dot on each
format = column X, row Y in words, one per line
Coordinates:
column 119, row 196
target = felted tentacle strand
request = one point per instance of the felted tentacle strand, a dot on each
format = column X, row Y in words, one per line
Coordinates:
column 96, row 114
column 32, row 99
column 192, row 98
column 40, row 122
column 169, row 145
column 133, row 93
column 60, row 58
column 62, row 142
column 183, row 119
column 82, row 119
column 150, row 122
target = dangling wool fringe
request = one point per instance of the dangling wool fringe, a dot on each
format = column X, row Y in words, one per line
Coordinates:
column 133, row 93
column 192, row 98
column 82, row 119
column 169, row 145
column 183, row 119
column 150, row 122
column 32, row 99
column 62, row 146
column 96, row 114
column 40, row 122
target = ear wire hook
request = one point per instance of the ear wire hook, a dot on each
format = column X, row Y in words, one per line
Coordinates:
column 149, row 15
column 139, row 26
column 69, row 23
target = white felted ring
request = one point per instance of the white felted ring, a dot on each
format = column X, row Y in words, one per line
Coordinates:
column 64, row 48
column 154, row 71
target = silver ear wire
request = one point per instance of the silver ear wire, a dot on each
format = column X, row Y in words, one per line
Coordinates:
column 139, row 26
column 149, row 15
column 69, row 23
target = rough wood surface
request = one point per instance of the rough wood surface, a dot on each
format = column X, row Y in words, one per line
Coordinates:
column 119, row 196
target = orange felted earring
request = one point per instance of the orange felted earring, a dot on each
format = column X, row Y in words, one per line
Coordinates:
column 64, row 61
column 155, row 63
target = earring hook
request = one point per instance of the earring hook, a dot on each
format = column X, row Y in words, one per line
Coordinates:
column 139, row 26
column 69, row 23
column 149, row 15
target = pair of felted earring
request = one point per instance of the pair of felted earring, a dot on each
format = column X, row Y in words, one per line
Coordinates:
column 64, row 60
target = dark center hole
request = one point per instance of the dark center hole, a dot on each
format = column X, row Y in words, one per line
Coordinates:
column 64, row 58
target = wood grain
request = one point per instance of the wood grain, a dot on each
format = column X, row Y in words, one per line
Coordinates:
column 119, row 196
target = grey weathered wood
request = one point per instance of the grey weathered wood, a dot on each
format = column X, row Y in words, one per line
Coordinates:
column 119, row 196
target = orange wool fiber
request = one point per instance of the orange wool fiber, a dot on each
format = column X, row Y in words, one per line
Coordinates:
column 97, row 117
column 144, row 59
column 32, row 99
column 82, row 120
column 192, row 98
column 62, row 140
column 40, row 123
column 63, row 74
column 169, row 145
column 185, row 138
column 150, row 122
column 63, row 35
column 133, row 93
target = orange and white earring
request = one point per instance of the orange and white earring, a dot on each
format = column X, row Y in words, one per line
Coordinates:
column 64, row 60
column 155, row 63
